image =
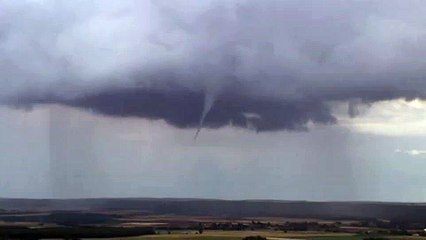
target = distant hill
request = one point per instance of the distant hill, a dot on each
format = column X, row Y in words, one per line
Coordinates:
column 226, row 208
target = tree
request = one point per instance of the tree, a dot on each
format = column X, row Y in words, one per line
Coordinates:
column 200, row 228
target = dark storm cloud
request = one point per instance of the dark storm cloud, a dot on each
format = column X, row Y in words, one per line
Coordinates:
column 264, row 65
column 182, row 108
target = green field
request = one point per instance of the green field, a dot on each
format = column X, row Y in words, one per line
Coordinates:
column 272, row 235
column 238, row 235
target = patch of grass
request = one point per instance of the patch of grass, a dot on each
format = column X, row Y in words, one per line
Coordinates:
column 363, row 237
column 356, row 237
column 239, row 235
column 189, row 237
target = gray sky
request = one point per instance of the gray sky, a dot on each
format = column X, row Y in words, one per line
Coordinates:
column 100, row 156
column 315, row 100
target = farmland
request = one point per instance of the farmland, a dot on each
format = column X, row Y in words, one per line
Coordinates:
column 157, row 219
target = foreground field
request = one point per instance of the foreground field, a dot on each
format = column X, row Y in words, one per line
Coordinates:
column 238, row 235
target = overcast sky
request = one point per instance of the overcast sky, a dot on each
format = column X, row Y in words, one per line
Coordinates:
column 296, row 100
